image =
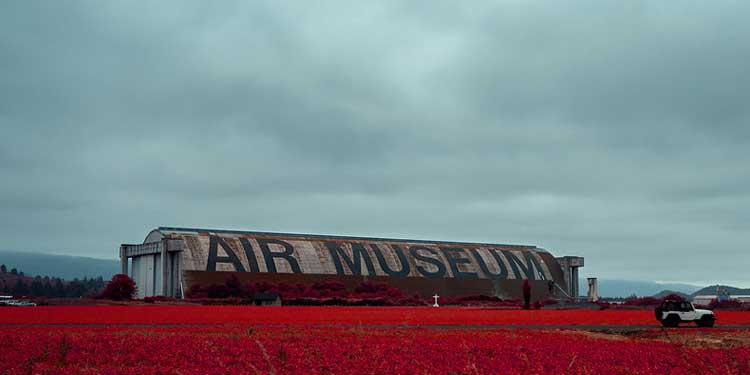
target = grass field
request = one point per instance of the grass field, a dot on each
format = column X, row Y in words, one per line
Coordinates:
column 297, row 315
column 334, row 340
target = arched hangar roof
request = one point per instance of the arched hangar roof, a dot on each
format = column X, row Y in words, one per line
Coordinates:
column 159, row 233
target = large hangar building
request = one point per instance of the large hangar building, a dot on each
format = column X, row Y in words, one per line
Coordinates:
column 170, row 260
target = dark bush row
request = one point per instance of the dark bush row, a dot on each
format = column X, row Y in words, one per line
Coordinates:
column 731, row 304
column 52, row 287
column 232, row 287
column 232, row 291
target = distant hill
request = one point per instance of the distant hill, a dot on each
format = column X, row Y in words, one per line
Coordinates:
column 626, row 288
column 711, row 290
column 64, row 266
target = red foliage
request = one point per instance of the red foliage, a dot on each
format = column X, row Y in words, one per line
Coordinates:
column 643, row 301
column 673, row 297
column 321, row 293
column 478, row 300
column 726, row 304
column 371, row 289
column 306, row 350
column 332, row 293
column 121, row 287
column 304, row 315
column 322, row 340
column 154, row 299
column 233, row 287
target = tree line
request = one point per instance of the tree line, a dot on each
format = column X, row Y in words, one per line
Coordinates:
column 49, row 286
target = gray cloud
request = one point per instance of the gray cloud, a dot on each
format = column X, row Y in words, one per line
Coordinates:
column 617, row 131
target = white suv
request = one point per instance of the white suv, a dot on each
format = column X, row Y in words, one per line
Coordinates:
column 671, row 313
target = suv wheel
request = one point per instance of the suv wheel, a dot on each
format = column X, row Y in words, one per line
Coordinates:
column 671, row 320
column 706, row 321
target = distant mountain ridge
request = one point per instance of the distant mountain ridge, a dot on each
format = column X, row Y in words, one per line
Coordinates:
column 625, row 288
column 62, row 266
column 707, row 291
column 711, row 290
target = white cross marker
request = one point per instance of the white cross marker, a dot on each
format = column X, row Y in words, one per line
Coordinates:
column 436, row 298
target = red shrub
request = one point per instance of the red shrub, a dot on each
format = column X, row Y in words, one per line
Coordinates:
column 726, row 304
column 642, row 301
column 478, row 298
column 328, row 289
column 673, row 297
column 376, row 290
column 121, row 287
column 197, row 291
column 234, row 287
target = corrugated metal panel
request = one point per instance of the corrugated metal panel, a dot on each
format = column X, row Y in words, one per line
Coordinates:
column 164, row 231
column 230, row 252
column 454, row 268
column 135, row 274
column 157, row 276
column 143, row 272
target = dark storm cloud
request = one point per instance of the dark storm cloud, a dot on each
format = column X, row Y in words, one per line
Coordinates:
column 613, row 130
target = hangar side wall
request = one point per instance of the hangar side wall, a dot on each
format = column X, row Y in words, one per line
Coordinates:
column 421, row 267
column 238, row 253
column 181, row 258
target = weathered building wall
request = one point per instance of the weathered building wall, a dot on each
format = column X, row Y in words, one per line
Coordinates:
column 423, row 267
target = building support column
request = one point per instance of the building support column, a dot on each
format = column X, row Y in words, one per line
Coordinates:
column 165, row 281
column 123, row 261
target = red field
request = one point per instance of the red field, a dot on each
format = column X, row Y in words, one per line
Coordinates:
column 333, row 316
column 331, row 340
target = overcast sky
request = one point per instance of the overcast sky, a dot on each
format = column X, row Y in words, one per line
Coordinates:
column 614, row 130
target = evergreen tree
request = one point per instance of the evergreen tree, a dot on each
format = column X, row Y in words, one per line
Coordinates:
column 20, row 289
column 122, row 287
column 75, row 289
column 99, row 284
column 13, row 271
column 48, row 290
column 3, row 269
column 59, row 289
column 37, row 288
